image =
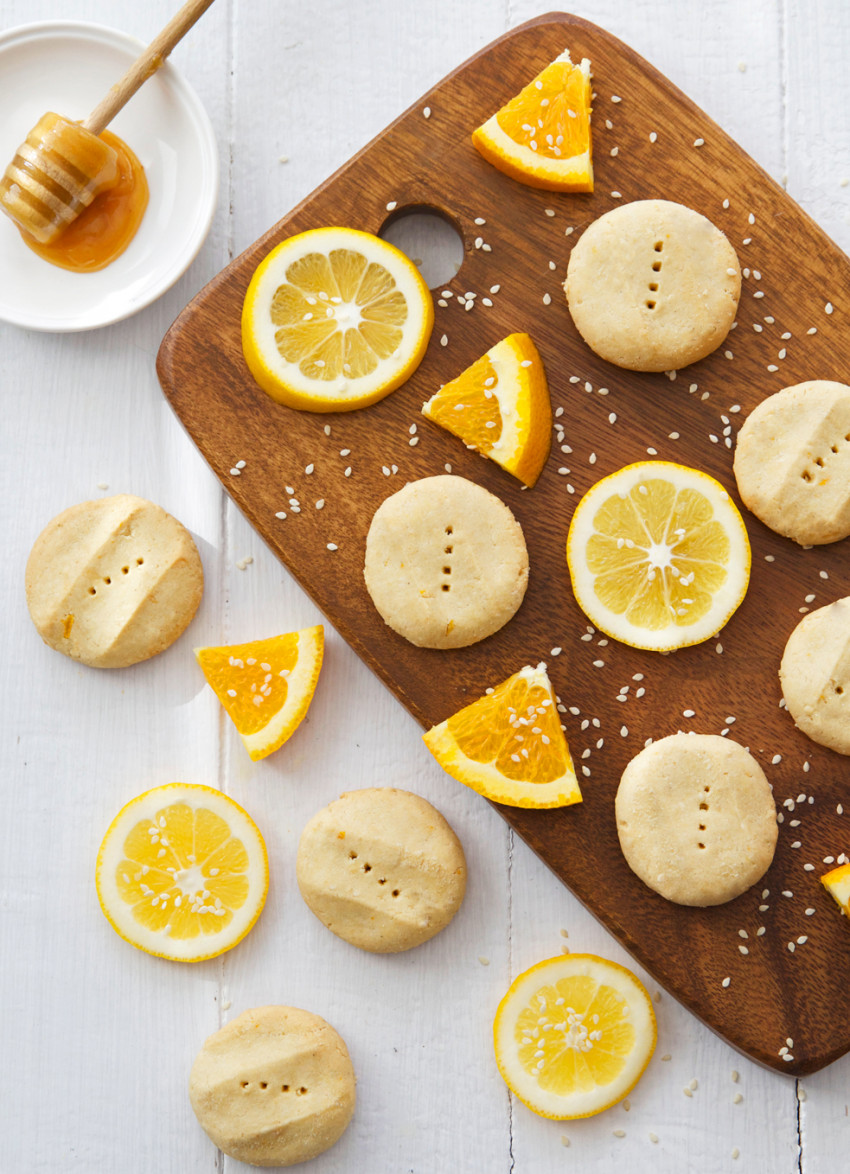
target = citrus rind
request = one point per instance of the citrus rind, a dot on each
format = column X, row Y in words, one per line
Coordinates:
column 534, row 990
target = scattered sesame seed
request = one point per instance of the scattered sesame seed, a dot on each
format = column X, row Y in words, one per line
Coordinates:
column 688, row 713
column 391, row 207
column 699, row 142
column 332, row 546
column 281, row 514
column 751, row 219
column 444, row 341
column 233, row 473
column 653, row 136
column 480, row 220
column 653, row 1137
column 547, row 298
column 616, row 195
column 426, row 113
column 736, row 1153
column 615, row 98
column 348, row 471
column 828, row 307
column 726, row 982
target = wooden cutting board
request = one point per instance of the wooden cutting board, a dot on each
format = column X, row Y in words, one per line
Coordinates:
column 787, row 1000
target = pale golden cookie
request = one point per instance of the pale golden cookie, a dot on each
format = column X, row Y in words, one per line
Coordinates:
column 446, row 562
column 792, row 462
column 382, row 869
column 696, row 818
column 113, row 582
column 653, row 286
column 273, row 1087
column 815, row 675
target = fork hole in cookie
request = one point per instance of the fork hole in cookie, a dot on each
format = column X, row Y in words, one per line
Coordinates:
column 653, row 285
column 139, row 562
column 819, row 461
column 806, row 475
column 656, row 266
column 839, row 689
column 396, row 892
column 284, row 1088
column 446, row 587
column 245, row 1084
column 382, row 881
column 659, row 245
column 299, row 1092
column 367, row 867
column 92, row 591
column 449, row 530
column 264, row 1084
column 700, row 845
column 352, row 855
column 107, row 580
column 650, row 305
column 125, row 570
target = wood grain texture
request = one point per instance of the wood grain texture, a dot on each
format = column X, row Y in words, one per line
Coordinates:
column 774, row 993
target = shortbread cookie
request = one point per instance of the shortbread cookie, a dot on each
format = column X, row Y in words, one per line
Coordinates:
column 653, row 286
column 792, row 462
column 113, row 582
column 273, row 1087
column 446, row 562
column 382, row 869
column 815, row 675
column 696, row 819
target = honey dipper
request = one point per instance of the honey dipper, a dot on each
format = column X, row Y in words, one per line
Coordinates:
column 61, row 166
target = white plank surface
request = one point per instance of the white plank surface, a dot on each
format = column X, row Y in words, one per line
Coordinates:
column 97, row 1039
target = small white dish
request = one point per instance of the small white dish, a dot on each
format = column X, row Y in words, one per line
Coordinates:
column 67, row 67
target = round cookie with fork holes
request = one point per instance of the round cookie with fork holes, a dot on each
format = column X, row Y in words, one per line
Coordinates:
column 696, row 819
column 114, row 581
column 446, row 562
column 815, row 675
column 382, row 869
column 653, row 286
column 275, row 1086
column 792, row 462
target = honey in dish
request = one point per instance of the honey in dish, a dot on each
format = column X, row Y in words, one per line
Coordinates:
column 102, row 231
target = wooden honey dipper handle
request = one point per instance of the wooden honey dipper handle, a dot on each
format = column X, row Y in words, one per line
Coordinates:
column 145, row 65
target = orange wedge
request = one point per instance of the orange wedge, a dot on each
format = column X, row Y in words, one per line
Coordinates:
column 542, row 136
column 837, row 882
column 266, row 686
column 573, row 1035
column 509, row 745
column 500, row 407
column 182, row 872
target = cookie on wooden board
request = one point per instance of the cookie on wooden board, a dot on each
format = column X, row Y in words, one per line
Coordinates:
column 446, row 562
column 114, row 581
column 273, row 1087
column 653, row 286
column 696, row 818
column 382, row 869
column 792, row 462
column 815, row 675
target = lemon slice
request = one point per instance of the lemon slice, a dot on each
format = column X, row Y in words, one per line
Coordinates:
column 658, row 555
column 509, row 745
column 500, row 407
column 266, row 686
column 542, row 136
column 573, row 1035
column 182, row 872
column 335, row 319
column 837, row 882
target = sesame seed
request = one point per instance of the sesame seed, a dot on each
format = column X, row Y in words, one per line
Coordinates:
column 615, row 151
column 751, row 219
column 281, row 514
column 828, row 307
column 688, row 713
column 348, row 471
column 699, row 142
column 726, row 982
column 444, row 341
column 332, row 546
column 426, row 113
column 235, row 472
column 598, row 664
column 615, row 98
column 653, row 136
column 392, row 206
column 550, row 211
column 547, row 298
column 616, row 195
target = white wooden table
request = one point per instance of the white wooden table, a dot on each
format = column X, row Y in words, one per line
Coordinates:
column 96, row 1039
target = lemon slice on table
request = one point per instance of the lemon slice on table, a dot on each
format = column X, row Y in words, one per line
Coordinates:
column 573, row 1035
column 509, row 745
column 182, row 872
column 335, row 319
column 266, row 686
column 500, row 407
column 542, row 136
column 658, row 555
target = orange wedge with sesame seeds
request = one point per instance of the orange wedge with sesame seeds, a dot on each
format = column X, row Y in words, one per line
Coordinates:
column 182, row 872
column 658, row 555
column 542, row 136
column 509, row 745
column 573, row 1035
column 335, row 319
column 266, row 686
column 837, row 882
column 500, row 407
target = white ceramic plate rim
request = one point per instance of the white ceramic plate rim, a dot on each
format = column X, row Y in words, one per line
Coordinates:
column 162, row 278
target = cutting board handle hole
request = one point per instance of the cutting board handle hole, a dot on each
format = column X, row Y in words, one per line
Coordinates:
column 429, row 238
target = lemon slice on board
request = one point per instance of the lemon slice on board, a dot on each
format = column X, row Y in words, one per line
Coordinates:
column 266, row 686
column 837, row 882
column 658, row 555
column 509, row 745
column 182, row 872
column 500, row 407
column 335, row 319
column 573, row 1035
column 542, row 136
